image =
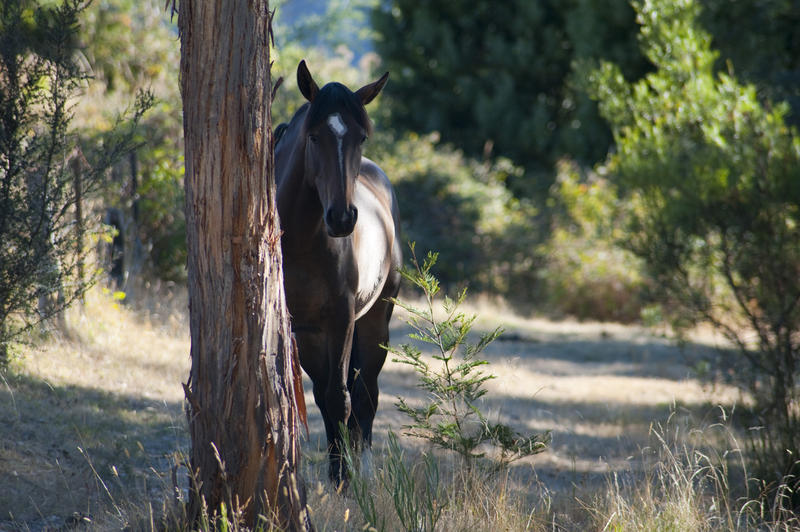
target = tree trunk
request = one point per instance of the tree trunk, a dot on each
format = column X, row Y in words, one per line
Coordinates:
column 136, row 249
column 244, row 393
column 78, row 165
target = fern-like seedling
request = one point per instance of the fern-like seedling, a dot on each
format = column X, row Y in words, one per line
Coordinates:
column 454, row 381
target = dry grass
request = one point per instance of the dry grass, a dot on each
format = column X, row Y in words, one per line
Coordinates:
column 693, row 479
column 95, row 425
column 93, row 416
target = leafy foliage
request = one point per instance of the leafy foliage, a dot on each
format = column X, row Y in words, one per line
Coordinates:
column 43, row 173
column 461, row 207
column 587, row 273
column 130, row 45
column 452, row 418
column 717, row 172
column 499, row 78
column 492, row 77
column 327, row 25
column 762, row 39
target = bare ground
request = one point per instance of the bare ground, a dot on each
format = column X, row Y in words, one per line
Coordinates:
column 93, row 423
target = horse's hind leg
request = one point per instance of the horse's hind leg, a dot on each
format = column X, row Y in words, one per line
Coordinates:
column 367, row 359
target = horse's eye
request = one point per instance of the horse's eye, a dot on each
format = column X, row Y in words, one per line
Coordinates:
column 313, row 138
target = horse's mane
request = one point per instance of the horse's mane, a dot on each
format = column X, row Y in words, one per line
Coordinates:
column 279, row 131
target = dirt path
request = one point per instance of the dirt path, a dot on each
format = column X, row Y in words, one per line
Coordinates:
column 598, row 388
column 91, row 421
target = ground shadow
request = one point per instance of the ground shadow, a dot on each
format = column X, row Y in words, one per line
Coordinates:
column 68, row 449
column 66, row 452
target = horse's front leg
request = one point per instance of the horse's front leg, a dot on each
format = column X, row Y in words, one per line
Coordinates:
column 337, row 397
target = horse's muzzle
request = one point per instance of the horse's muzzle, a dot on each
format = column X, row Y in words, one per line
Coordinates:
column 342, row 223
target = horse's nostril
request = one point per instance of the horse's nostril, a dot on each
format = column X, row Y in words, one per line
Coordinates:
column 353, row 214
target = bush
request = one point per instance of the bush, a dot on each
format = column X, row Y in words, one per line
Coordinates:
column 454, row 381
column 451, row 420
column 587, row 273
column 46, row 176
column 717, row 175
column 461, row 208
column 131, row 44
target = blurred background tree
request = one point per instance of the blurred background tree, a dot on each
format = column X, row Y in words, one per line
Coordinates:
column 761, row 39
column 494, row 78
column 476, row 83
column 132, row 45
column 497, row 79
column 586, row 272
column 485, row 127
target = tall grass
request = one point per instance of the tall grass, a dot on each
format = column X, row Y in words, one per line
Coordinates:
column 691, row 479
column 429, row 491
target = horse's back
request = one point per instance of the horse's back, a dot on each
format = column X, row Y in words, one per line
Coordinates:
column 376, row 236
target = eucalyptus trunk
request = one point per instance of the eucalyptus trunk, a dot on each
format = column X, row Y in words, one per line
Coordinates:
column 244, row 393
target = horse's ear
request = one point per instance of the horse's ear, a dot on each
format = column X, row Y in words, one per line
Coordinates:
column 367, row 93
column 305, row 82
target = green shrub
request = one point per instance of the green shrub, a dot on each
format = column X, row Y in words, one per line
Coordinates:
column 48, row 174
column 162, row 224
column 716, row 172
column 461, row 207
column 451, row 419
column 587, row 273
column 131, row 44
column 454, row 382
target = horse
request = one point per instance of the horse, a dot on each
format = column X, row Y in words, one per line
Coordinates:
column 341, row 253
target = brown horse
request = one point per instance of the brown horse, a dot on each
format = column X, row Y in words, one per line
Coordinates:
column 341, row 252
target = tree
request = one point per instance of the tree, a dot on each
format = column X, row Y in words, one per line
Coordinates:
column 43, row 173
column 499, row 77
column 715, row 175
column 762, row 39
column 244, row 392
column 494, row 77
column 454, row 382
column 130, row 44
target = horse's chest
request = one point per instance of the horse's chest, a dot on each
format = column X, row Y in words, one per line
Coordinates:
column 315, row 289
column 318, row 288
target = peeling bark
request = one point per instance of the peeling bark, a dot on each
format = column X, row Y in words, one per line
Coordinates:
column 244, row 401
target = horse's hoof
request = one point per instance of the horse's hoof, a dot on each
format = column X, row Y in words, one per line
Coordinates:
column 339, row 477
column 366, row 462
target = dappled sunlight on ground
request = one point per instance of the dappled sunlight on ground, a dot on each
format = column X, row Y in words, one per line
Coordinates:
column 95, row 416
column 91, row 414
column 597, row 386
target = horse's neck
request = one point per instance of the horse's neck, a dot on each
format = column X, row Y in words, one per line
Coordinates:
column 300, row 211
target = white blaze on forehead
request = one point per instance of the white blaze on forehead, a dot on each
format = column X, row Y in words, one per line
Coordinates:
column 337, row 125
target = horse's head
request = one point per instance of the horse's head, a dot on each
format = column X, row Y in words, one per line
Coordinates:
column 336, row 126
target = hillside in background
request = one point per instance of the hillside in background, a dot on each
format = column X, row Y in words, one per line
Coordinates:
column 325, row 24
